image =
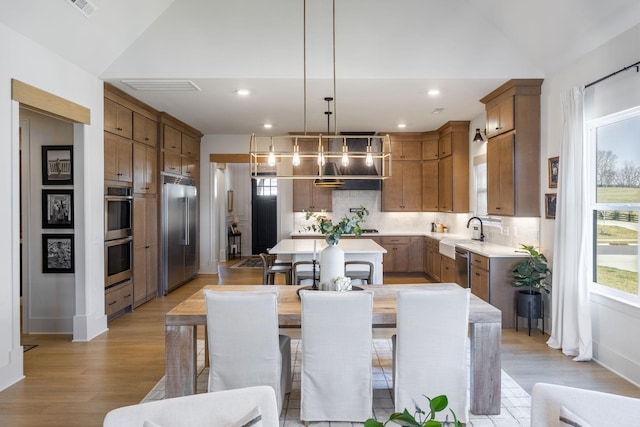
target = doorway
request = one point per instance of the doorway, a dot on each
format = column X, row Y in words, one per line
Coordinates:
column 264, row 221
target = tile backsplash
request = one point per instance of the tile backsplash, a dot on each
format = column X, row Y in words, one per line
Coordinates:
column 505, row 231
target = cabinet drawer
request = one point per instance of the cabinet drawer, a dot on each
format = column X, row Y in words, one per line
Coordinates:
column 480, row 261
column 399, row 240
column 118, row 297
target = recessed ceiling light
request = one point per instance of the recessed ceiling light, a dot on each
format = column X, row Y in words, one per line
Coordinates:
column 434, row 92
column 402, row 125
column 243, row 92
column 267, row 125
column 438, row 110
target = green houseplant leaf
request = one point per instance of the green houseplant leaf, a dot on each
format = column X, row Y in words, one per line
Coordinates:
column 532, row 272
column 420, row 418
column 332, row 232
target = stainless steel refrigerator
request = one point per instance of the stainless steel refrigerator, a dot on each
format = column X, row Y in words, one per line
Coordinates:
column 179, row 232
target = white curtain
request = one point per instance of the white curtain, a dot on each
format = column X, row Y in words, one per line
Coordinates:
column 570, row 302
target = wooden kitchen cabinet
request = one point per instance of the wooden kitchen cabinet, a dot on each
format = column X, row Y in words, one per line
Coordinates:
column 415, row 254
column 430, row 182
column 432, row 258
column 501, row 175
column 453, row 167
column 396, row 258
column 480, row 276
column 491, row 281
column 118, row 299
column 118, row 158
column 403, row 191
column 500, row 117
column 172, row 139
column 145, row 130
column 145, row 249
column 405, row 145
column 430, row 147
column 447, row 270
column 145, row 170
column 513, row 150
column 180, row 154
column 118, row 119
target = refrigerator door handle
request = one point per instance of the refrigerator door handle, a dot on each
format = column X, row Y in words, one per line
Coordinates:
column 186, row 221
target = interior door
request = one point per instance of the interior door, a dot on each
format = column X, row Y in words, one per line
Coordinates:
column 264, row 198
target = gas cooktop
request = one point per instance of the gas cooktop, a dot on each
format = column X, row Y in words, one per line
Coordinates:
column 369, row 230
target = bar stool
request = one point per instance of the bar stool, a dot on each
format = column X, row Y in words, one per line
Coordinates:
column 364, row 277
column 270, row 269
column 298, row 275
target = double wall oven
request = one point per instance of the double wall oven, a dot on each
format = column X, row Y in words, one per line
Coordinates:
column 118, row 245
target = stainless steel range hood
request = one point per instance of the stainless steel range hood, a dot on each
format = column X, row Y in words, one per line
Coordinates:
column 357, row 166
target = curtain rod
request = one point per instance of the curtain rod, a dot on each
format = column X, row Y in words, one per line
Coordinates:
column 637, row 65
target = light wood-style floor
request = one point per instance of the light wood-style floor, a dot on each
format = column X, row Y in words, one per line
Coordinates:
column 76, row 384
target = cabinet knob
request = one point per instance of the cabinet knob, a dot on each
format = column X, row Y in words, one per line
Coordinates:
column 118, row 128
column 146, row 139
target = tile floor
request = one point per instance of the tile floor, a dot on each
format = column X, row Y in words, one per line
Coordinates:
column 515, row 401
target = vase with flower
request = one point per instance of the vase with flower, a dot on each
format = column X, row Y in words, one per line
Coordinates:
column 332, row 257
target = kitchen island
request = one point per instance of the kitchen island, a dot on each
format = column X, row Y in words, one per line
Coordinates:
column 354, row 250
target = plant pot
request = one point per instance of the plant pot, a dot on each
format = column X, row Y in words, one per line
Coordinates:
column 530, row 305
column 331, row 263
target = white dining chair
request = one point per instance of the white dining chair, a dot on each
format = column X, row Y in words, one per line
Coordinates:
column 430, row 349
column 245, row 348
column 360, row 272
column 220, row 409
column 336, row 381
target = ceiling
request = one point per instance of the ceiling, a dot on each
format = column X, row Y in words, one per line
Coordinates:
column 388, row 54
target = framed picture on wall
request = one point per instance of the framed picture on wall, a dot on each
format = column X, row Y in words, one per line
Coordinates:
column 57, row 208
column 57, row 164
column 57, row 253
column 554, row 164
column 550, row 205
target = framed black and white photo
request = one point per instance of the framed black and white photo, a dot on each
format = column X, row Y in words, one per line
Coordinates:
column 57, row 164
column 554, row 164
column 57, row 208
column 550, row 205
column 57, row 253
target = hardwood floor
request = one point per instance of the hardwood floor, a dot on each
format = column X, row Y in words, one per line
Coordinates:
column 76, row 384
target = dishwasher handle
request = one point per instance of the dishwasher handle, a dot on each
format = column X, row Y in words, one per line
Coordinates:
column 462, row 253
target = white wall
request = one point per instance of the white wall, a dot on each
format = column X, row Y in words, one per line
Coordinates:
column 48, row 298
column 613, row 321
column 30, row 63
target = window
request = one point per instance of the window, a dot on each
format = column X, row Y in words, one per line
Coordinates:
column 480, row 171
column 615, row 147
column 267, row 187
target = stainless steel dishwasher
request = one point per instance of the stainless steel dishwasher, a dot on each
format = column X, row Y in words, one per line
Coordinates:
column 462, row 267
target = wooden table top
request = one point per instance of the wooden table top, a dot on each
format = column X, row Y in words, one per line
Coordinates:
column 192, row 311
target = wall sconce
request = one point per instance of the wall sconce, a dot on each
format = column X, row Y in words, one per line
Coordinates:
column 478, row 137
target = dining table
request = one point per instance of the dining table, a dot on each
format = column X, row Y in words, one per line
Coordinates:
column 485, row 333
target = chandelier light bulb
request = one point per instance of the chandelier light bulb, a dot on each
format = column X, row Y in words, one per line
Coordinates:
column 296, row 155
column 369, row 159
column 345, row 156
column 272, row 156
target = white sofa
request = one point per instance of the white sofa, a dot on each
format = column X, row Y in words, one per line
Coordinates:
column 593, row 408
column 216, row 409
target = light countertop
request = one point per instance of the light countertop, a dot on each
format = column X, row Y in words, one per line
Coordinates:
column 306, row 246
column 487, row 249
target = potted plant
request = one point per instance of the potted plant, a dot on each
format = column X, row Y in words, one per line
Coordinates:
column 533, row 274
column 332, row 232
column 420, row 418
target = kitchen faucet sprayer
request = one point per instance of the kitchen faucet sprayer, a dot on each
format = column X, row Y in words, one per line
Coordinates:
column 475, row 237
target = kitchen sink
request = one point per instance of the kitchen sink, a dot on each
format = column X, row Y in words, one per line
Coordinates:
column 447, row 246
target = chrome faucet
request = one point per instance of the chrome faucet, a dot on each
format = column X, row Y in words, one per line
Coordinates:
column 481, row 227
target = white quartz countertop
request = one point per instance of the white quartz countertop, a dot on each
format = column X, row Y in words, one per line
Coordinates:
column 306, row 246
column 487, row 249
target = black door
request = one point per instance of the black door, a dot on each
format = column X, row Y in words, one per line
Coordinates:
column 264, row 196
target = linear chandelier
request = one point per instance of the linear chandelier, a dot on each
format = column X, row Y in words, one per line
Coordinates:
column 281, row 157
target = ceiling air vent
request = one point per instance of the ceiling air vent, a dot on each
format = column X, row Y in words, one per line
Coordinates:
column 85, row 7
column 173, row 85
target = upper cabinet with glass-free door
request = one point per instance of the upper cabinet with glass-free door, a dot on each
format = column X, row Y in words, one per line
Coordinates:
column 513, row 151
